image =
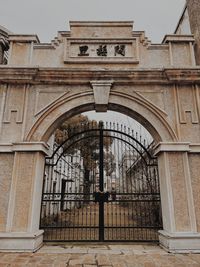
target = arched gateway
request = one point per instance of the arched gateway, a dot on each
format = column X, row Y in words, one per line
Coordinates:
column 101, row 184
column 99, row 66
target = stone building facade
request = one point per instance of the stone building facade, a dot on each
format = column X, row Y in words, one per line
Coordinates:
column 99, row 66
column 189, row 23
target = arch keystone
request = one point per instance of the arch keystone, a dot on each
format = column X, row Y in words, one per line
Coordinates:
column 101, row 91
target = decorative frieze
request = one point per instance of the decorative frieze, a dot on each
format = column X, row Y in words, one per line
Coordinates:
column 187, row 104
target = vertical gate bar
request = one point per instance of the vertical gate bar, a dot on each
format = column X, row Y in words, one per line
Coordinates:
column 130, row 153
column 126, row 206
column 151, row 204
column 74, row 191
column 121, row 153
column 91, row 188
column 63, row 190
column 101, row 184
column 114, row 231
column 58, row 187
column 44, row 190
column 110, row 207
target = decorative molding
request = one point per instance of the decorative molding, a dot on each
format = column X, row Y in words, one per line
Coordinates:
column 178, row 38
column 23, row 38
column 6, row 148
column 17, row 75
column 172, row 147
column 101, row 24
column 180, row 242
column 79, row 76
column 161, row 116
column 186, row 75
column 31, row 147
column 31, row 53
column 144, row 98
column 192, row 54
column 194, row 148
column 13, row 106
column 60, row 95
column 176, row 115
column 197, row 96
column 171, row 61
column 50, row 109
column 21, row 242
column 191, row 105
column 25, row 147
column 177, row 147
column 2, row 104
column 26, row 104
column 155, row 97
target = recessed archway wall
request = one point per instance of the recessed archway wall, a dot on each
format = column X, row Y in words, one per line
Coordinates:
column 35, row 100
column 133, row 106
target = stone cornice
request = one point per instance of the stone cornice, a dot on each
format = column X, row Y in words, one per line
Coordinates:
column 36, row 75
column 191, row 75
column 178, row 38
column 24, row 38
column 18, row 75
column 101, row 24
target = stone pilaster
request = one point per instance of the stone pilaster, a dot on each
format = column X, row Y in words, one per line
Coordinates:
column 20, row 221
column 180, row 233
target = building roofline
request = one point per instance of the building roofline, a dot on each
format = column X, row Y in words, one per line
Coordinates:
column 101, row 23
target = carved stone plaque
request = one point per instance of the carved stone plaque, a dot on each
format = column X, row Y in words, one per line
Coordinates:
column 96, row 50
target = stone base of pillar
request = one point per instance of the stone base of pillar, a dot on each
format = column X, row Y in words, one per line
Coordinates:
column 180, row 242
column 20, row 242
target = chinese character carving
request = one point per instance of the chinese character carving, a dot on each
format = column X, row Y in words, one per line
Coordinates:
column 83, row 50
column 102, row 51
column 120, row 50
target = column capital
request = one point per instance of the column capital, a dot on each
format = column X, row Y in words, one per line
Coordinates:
column 172, row 147
column 25, row 147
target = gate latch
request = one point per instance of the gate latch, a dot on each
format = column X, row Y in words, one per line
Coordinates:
column 101, row 196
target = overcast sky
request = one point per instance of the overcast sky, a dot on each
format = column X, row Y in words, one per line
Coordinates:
column 46, row 17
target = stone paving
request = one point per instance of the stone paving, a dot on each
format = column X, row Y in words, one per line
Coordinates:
column 97, row 255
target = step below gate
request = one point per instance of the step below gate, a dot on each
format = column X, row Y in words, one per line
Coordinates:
column 101, row 184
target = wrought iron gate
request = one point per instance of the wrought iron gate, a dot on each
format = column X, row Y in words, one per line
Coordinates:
column 101, row 184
